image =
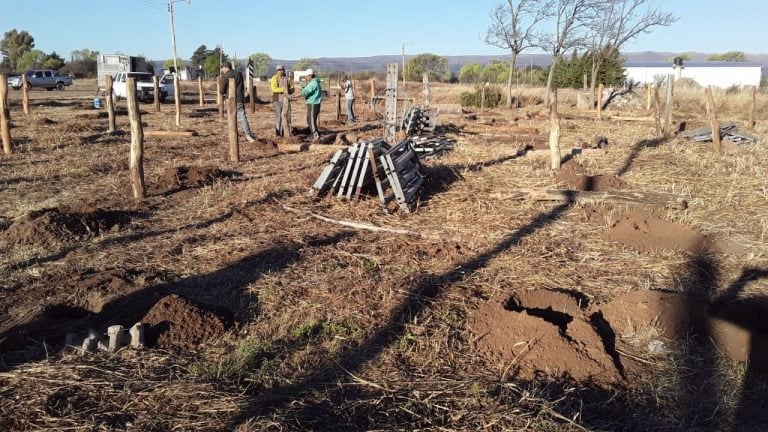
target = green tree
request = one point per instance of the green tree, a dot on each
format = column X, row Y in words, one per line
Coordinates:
column 14, row 45
column 260, row 63
column 168, row 64
column 471, row 73
column 304, row 64
column 685, row 56
column 199, row 56
column 211, row 65
column 434, row 65
column 496, row 72
column 83, row 54
column 570, row 72
column 53, row 61
column 32, row 59
column 730, row 56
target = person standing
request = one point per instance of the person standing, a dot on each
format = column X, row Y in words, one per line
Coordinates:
column 349, row 96
column 313, row 93
column 277, row 97
column 226, row 74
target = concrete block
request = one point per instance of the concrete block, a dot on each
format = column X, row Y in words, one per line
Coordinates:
column 137, row 336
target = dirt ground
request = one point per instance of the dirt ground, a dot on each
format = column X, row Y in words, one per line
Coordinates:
column 500, row 315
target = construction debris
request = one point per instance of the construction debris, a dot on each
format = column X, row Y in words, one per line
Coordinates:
column 117, row 338
column 727, row 133
column 417, row 121
column 396, row 172
column 431, row 146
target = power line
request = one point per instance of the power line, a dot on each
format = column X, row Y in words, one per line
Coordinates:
column 150, row 5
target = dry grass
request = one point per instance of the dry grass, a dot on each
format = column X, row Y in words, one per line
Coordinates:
column 363, row 331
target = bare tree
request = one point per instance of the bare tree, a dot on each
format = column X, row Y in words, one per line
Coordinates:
column 512, row 27
column 571, row 17
column 613, row 23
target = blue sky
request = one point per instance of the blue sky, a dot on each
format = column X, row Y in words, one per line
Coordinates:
column 340, row 28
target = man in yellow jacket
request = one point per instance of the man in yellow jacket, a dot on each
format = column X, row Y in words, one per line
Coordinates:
column 277, row 98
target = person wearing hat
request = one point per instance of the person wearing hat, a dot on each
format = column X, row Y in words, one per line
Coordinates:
column 277, row 97
column 345, row 85
column 313, row 93
column 226, row 74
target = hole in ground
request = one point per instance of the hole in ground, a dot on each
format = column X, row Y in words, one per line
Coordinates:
column 559, row 319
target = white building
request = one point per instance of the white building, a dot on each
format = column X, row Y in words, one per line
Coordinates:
column 711, row 73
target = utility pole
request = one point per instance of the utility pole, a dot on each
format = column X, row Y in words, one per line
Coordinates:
column 173, row 34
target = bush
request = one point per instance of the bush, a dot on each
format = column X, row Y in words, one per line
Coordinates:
column 493, row 96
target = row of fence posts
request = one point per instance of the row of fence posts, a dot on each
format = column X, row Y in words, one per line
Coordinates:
column 664, row 129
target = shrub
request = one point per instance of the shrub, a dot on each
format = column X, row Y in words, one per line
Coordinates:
column 493, row 96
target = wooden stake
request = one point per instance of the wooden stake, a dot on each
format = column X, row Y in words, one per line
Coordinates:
column 156, row 82
column 600, row 90
column 136, row 161
column 712, row 110
column 425, row 80
column 648, row 96
column 25, row 88
column 373, row 92
column 177, row 99
column 668, row 106
column 482, row 100
column 200, row 91
column 5, row 115
column 753, row 109
column 219, row 98
column 234, row 142
column 554, row 133
column 110, row 105
column 167, row 133
column 338, row 105
column 252, row 99
column 285, row 116
column 657, row 113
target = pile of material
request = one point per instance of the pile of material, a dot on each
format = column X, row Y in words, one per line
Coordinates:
column 417, row 121
column 395, row 172
column 431, row 145
column 727, row 133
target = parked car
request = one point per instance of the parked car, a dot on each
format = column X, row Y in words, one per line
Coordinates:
column 43, row 78
column 145, row 87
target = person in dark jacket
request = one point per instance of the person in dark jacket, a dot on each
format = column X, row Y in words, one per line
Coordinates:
column 226, row 74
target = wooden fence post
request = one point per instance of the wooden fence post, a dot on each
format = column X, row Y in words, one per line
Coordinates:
column 657, row 112
column 373, row 92
column 136, row 161
column 600, row 90
column 554, row 132
column 5, row 115
column 177, row 99
column 234, row 143
column 648, row 96
column 25, row 88
column 753, row 108
column 285, row 116
column 219, row 98
column 668, row 106
column 156, row 90
column 200, row 91
column 482, row 99
column 425, row 80
column 338, row 105
column 252, row 88
column 109, row 102
column 712, row 110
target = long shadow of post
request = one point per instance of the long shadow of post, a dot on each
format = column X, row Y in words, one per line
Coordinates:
column 353, row 359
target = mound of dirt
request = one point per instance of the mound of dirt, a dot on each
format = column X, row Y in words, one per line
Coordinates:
column 644, row 232
column 53, row 226
column 737, row 328
column 574, row 176
column 45, row 122
column 547, row 333
column 191, row 177
column 177, row 324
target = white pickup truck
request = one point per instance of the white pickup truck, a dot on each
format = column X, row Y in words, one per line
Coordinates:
column 145, row 87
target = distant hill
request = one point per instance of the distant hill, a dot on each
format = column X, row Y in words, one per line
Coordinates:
column 379, row 63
